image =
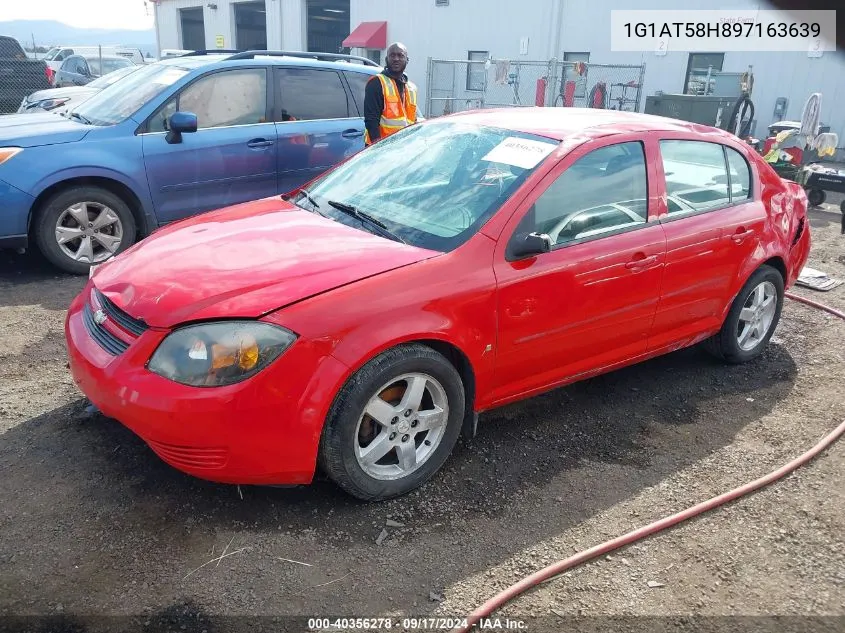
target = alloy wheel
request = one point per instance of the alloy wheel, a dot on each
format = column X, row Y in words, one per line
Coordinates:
column 402, row 426
column 757, row 316
column 89, row 232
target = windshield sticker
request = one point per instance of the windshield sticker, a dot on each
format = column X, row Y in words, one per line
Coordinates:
column 519, row 152
column 171, row 75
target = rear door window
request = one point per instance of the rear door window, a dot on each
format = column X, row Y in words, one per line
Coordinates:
column 696, row 176
column 308, row 94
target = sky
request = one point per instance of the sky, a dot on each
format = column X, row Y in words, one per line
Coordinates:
column 94, row 14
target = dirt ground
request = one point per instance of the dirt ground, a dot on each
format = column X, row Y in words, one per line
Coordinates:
column 97, row 533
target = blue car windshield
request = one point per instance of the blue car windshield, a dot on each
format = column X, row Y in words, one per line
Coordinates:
column 124, row 98
column 432, row 185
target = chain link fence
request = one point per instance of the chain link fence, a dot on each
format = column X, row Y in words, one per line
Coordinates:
column 21, row 74
column 457, row 85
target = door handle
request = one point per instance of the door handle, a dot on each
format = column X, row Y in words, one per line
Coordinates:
column 740, row 235
column 641, row 263
column 352, row 133
column 259, row 142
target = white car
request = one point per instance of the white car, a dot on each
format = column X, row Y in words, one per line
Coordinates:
column 61, row 100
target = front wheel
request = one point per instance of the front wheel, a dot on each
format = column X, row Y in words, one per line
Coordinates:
column 752, row 319
column 81, row 226
column 394, row 423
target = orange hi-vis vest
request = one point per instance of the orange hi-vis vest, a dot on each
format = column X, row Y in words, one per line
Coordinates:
column 398, row 112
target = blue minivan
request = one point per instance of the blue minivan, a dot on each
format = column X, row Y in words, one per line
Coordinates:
column 176, row 138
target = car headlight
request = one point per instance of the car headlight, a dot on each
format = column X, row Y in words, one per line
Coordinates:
column 49, row 104
column 220, row 353
column 8, row 152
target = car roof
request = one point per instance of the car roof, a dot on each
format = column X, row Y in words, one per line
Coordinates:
column 98, row 56
column 559, row 123
column 222, row 59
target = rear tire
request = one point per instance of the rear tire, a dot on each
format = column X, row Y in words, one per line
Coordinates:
column 752, row 319
column 406, row 441
column 816, row 197
column 103, row 221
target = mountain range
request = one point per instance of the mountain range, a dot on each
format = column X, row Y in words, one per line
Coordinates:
column 49, row 33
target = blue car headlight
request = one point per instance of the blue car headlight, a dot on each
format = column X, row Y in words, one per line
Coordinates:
column 219, row 353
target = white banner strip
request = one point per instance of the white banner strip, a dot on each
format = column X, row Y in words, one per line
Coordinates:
column 722, row 30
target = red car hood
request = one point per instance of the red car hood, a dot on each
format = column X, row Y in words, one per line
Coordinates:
column 243, row 261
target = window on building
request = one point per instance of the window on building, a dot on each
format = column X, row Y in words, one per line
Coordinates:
column 477, row 73
column 250, row 25
column 570, row 74
column 602, row 192
column 308, row 93
column 696, row 176
column 221, row 99
column 327, row 25
column 193, row 28
column 373, row 54
column 699, row 65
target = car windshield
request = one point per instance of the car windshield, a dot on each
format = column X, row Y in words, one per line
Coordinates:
column 109, row 64
column 51, row 54
column 122, row 99
column 432, row 185
column 107, row 80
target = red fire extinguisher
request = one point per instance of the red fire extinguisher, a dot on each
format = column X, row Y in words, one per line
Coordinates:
column 540, row 95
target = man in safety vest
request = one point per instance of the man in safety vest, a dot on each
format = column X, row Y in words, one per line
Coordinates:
column 390, row 101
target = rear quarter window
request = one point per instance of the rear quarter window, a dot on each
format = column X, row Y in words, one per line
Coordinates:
column 358, row 85
column 10, row 49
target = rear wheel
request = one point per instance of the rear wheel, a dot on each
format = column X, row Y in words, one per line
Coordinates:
column 752, row 319
column 816, row 197
column 394, row 423
column 81, row 226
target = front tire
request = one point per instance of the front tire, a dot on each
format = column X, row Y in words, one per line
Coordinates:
column 81, row 226
column 394, row 423
column 752, row 319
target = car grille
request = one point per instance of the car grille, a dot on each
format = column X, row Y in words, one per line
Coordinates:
column 128, row 323
column 106, row 339
column 123, row 329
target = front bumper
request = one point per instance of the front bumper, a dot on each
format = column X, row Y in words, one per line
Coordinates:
column 264, row 430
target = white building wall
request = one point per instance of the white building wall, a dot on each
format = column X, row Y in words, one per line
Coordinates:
column 793, row 75
column 558, row 26
column 552, row 27
column 285, row 23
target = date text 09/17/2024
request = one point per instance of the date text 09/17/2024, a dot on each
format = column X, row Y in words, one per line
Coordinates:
column 414, row 624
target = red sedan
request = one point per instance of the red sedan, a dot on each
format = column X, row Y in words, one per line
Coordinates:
column 360, row 325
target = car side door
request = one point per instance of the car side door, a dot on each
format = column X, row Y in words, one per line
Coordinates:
column 589, row 302
column 317, row 123
column 713, row 222
column 230, row 159
column 67, row 72
column 82, row 74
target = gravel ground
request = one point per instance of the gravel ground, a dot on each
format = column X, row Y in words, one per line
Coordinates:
column 99, row 534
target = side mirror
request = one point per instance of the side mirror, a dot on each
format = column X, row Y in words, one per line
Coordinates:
column 527, row 245
column 180, row 123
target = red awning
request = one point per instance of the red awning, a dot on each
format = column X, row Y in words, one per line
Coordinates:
column 368, row 35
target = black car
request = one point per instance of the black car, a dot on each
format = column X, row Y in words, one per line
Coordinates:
column 80, row 70
column 19, row 75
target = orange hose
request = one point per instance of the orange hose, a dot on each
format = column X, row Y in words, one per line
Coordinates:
column 652, row 528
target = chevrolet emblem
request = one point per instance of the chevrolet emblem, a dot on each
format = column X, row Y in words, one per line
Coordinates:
column 100, row 317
